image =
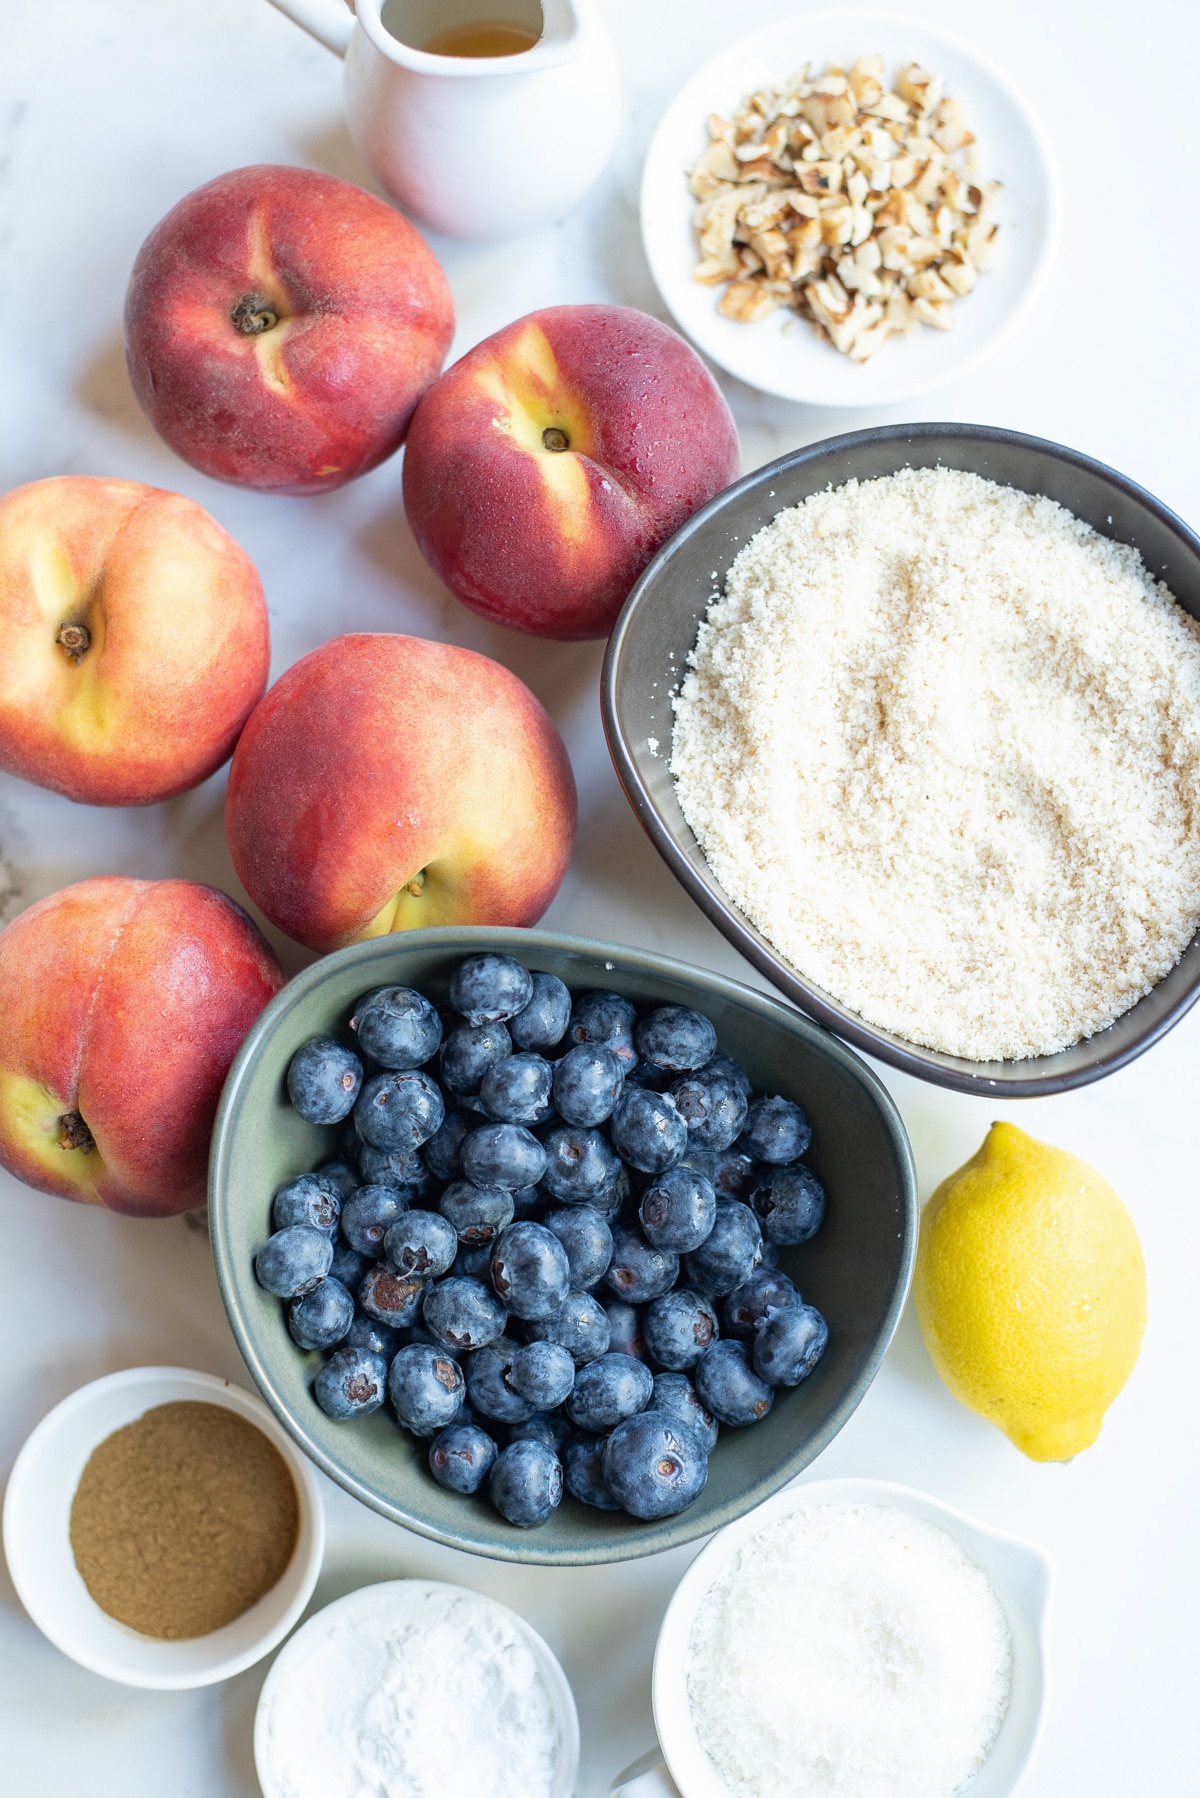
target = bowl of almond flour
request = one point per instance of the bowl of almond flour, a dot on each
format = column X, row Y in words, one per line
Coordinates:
column 914, row 715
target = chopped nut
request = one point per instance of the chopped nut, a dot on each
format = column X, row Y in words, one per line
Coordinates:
column 934, row 312
column 920, row 89
column 719, row 161
column 820, row 177
column 748, row 301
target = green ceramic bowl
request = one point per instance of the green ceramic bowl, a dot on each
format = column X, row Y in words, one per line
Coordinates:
column 856, row 1269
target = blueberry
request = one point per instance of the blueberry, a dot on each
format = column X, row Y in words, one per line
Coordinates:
column 517, row 1091
column 474, row 1260
column 677, row 1038
column 675, row 1394
column 374, row 1338
column 618, row 1199
column 748, row 1304
column 323, row 1080
column 420, row 1242
column 729, row 1386
column 587, row 1239
column 580, row 1164
column 399, row 1111
column 543, row 1023
column 348, row 1265
column 490, row 989
column 776, row 1131
column 551, row 1427
column 678, row 1328
column 654, row 1466
column 426, row 1388
column 320, row 1318
column 306, row 1200
column 789, row 1344
column 530, row 1272
column 463, row 1314
column 529, row 1201
column 442, row 1151
column 789, row 1202
column 388, row 1298
column 647, row 1130
column 461, row 1457
column 638, row 1272
column 678, row 1209
column 730, row 1252
column 404, row 1169
column 732, row 1173
column 580, row 1324
column 469, row 1052
column 489, row 1387
column 721, row 1064
column 587, row 1083
column 477, row 1213
column 339, row 1177
column 418, row 1331
column 505, row 1155
column 543, row 1373
column 713, row 1106
column 611, row 1388
column 293, row 1261
column 625, row 1330
column 583, row 1472
column 605, row 1018
column 397, row 1027
column 351, row 1384
column 368, row 1215
column 526, row 1484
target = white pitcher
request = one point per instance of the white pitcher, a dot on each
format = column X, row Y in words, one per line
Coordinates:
column 479, row 147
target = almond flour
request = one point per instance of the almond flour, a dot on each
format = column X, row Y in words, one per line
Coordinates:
column 940, row 742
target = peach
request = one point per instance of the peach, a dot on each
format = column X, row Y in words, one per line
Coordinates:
column 281, row 326
column 136, row 640
column 386, row 782
column 546, row 467
column 124, row 1003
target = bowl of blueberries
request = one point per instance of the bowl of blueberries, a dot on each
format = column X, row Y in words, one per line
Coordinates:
column 553, row 1250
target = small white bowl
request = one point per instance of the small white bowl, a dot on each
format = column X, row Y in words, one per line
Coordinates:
column 1021, row 1576
column 794, row 363
column 387, row 1603
column 37, row 1543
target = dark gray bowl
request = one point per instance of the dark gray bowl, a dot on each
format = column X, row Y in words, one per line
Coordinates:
column 856, row 1269
column 647, row 656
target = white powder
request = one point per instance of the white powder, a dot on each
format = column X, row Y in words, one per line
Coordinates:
column 940, row 742
column 849, row 1651
column 441, row 1699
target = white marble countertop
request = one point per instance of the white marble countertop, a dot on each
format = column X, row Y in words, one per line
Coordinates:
column 110, row 110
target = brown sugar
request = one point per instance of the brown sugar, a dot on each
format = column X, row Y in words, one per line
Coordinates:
column 183, row 1520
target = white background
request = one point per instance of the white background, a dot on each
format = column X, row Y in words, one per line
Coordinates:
column 110, row 110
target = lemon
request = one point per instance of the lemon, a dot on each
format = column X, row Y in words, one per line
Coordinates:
column 1031, row 1291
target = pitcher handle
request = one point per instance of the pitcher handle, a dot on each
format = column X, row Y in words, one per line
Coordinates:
column 646, row 1778
column 329, row 21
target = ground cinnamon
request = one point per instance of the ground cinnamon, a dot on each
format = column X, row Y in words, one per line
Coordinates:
column 183, row 1520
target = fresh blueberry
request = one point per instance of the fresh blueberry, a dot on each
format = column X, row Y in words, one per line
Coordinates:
column 551, row 1427
column 789, row 1202
column 543, row 1023
column 675, row 1394
column 351, row 1384
column 654, row 1466
column 678, row 1328
column 505, row 1155
column 678, row 1209
column 713, row 1106
column 789, row 1344
column 587, row 1083
column 320, row 1318
column 463, row 1314
column 443, row 1150
column 388, row 1298
column 625, row 1330
column 587, row 1238
column 426, row 1388
column 420, row 1242
column 306, row 1200
column 580, row 1324
column 721, row 1064
column 489, row 1387
column 647, row 1130
column 731, row 1173
column 676, row 1038
column 469, row 1052
column 368, row 1215
column 529, row 1201
column 339, row 1177
column 530, row 1272
column 517, row 1091
column 323, row 1080
column 418, row 1331
column 580, row 1164
column 293, row 1261
column 748, row 1304
column 461, row 1457
column 728, row 1385
column 490, row 989
column 543, row 1373
column 373, row 1338
column 477, row 1213
column 348, row 1265
column 404, row 1169
column 618, row 1199
column 638, row 1272
column 729, row 1253
column 583, row 1472
column 607, row 1390
column 399, row 1111
column 397, row 1027
column 775, row 1131
column 474, row 1260
column 526, row 1484
column 605, row 1018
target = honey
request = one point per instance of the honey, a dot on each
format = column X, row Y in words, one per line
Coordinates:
column 484, row 37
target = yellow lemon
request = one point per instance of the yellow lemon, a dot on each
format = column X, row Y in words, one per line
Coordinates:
column 1031, row 1291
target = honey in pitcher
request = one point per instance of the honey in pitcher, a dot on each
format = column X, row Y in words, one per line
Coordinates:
column 484, row 37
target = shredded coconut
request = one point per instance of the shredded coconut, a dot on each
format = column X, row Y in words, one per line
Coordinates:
column 849, row 1651
column 443, row 1699
column 940, row 742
